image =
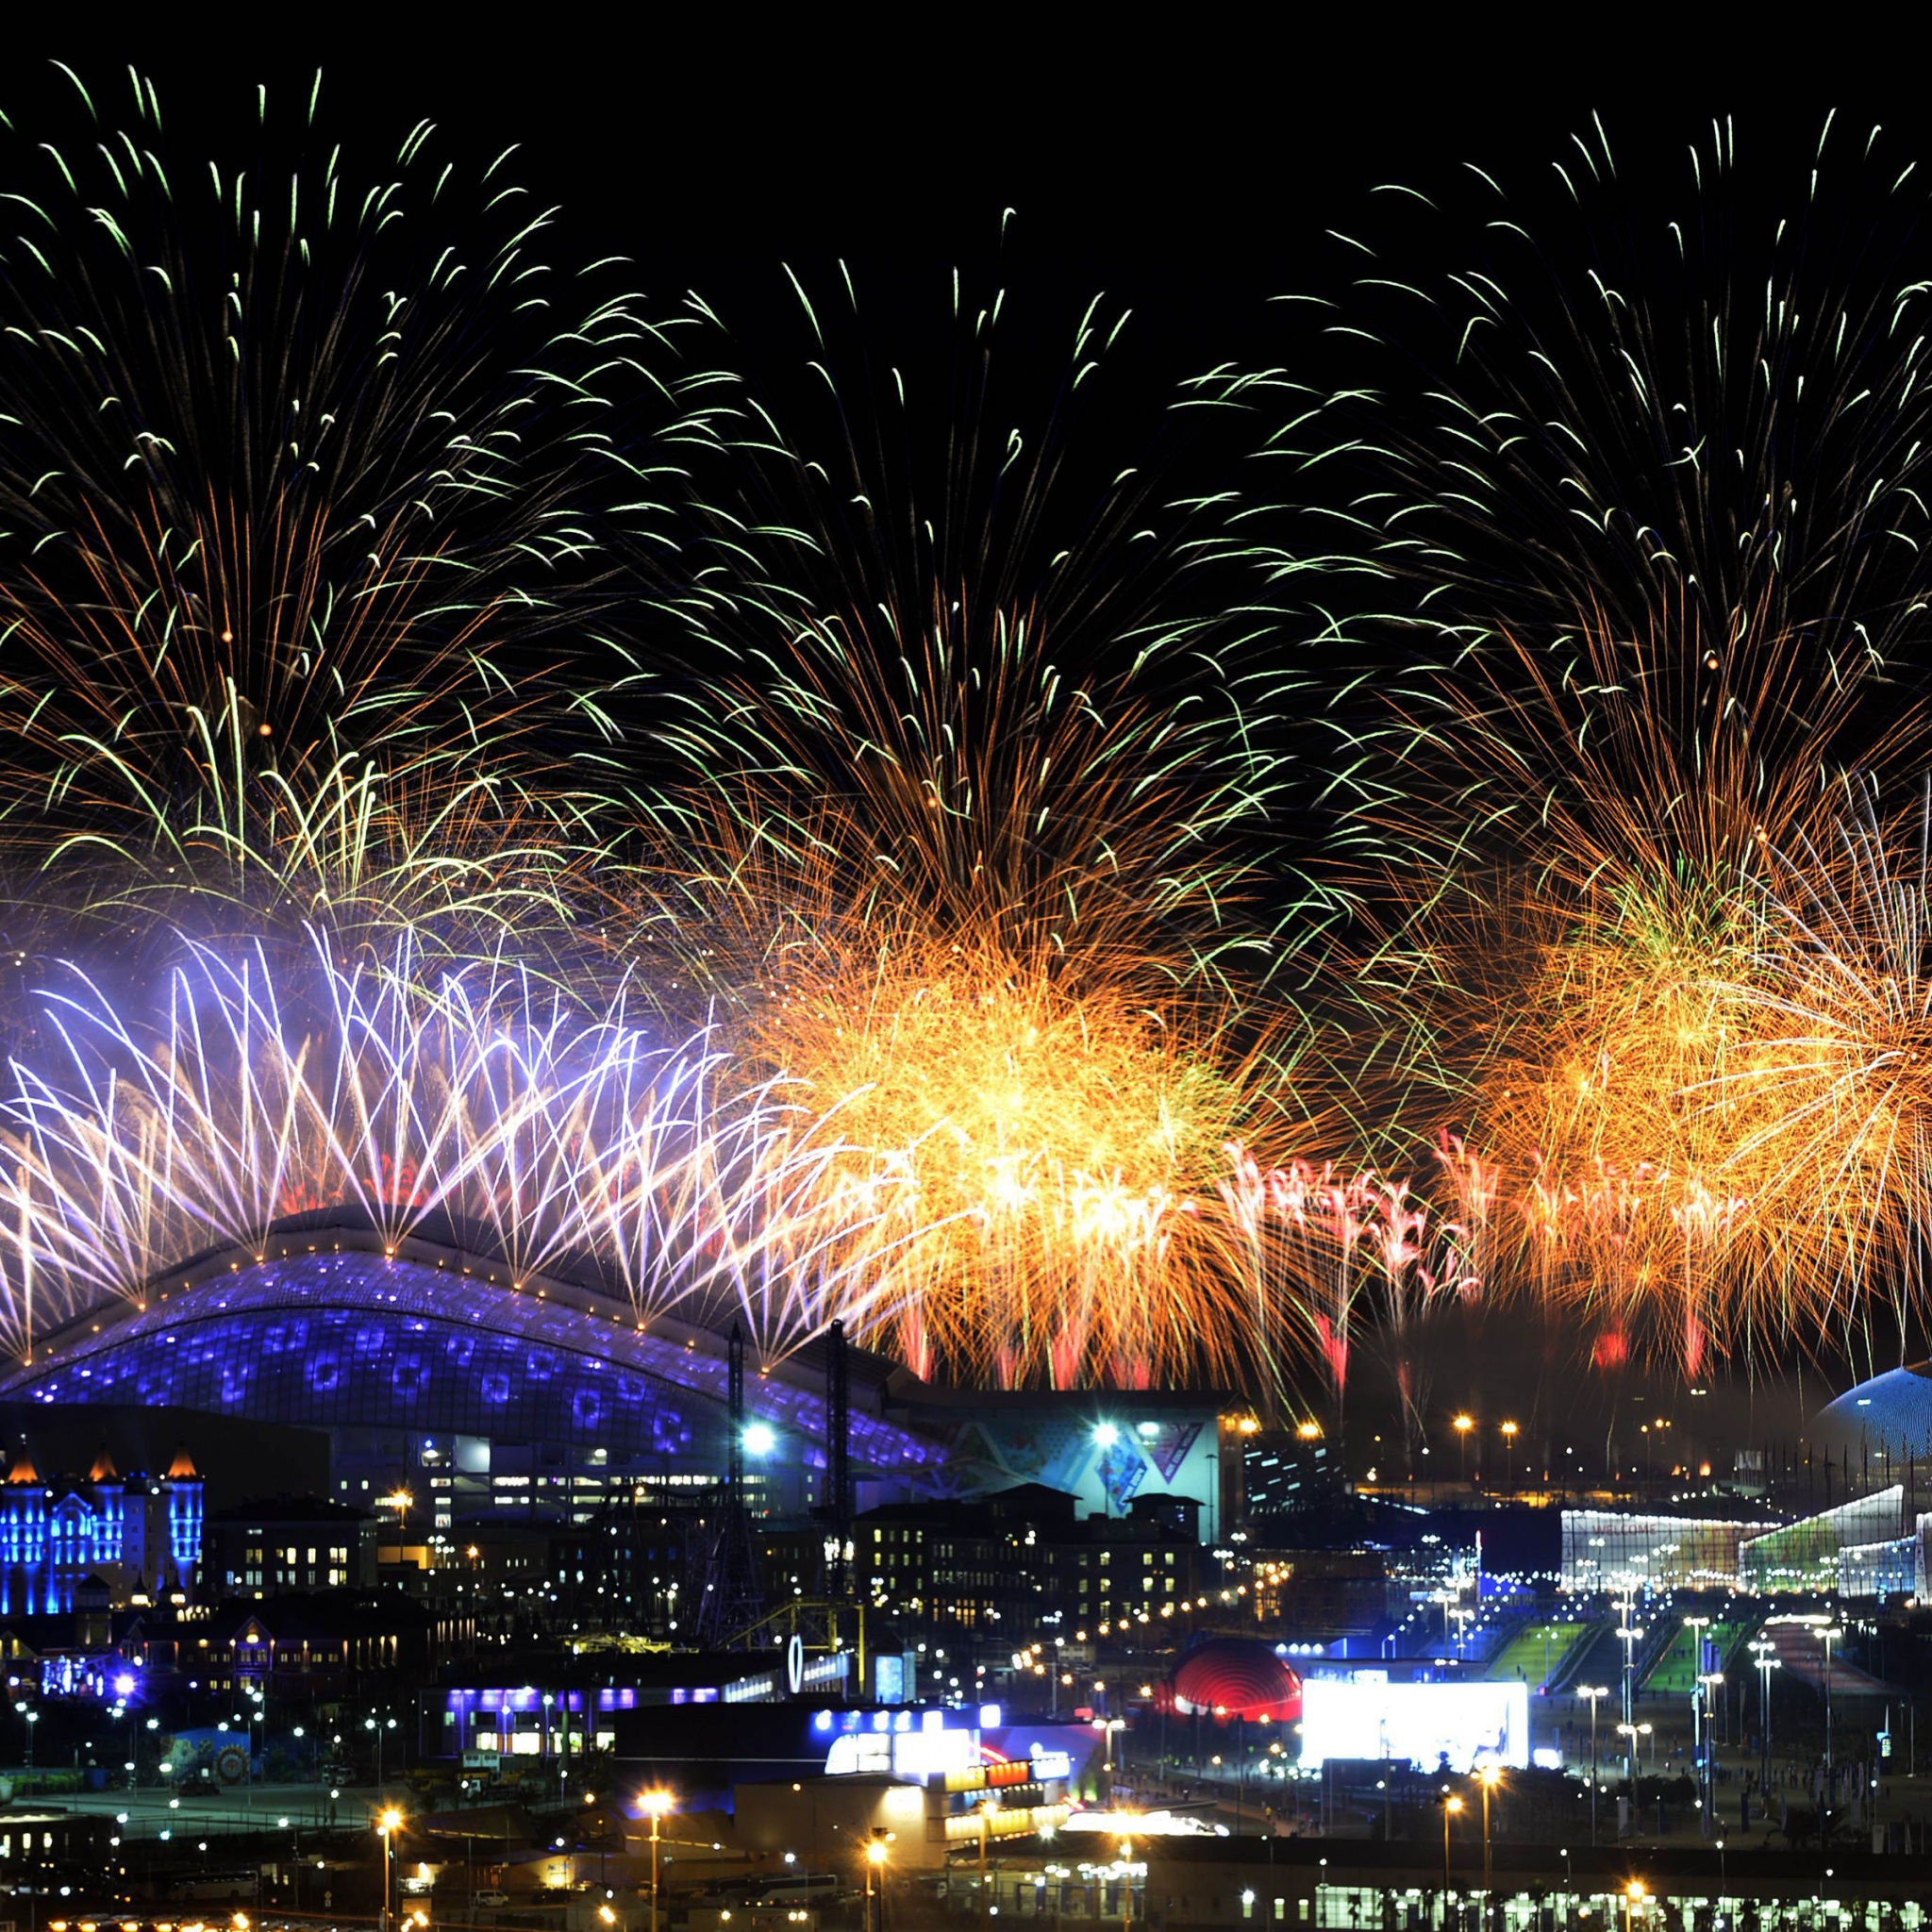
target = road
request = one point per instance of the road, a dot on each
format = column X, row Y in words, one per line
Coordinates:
column 153, row 1812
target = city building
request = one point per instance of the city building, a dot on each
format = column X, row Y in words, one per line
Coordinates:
column 440, row 1382
column 1006, row 1568
column 284, row 1543
column 133, row 1539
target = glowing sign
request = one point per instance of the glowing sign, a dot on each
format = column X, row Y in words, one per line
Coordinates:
column 1426, row 1725
column 906, row 1754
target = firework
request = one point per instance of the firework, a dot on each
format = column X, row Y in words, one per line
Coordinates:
column 310, row 480
column 1644, row 523
column 474, row 1110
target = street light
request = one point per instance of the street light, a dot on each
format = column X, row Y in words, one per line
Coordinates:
column 989, row 1807
column 1764, row 1650
column 1107, row 1726
column 1451, row 1806
column 1826, row 1633
column 1490, row 1776
column 1596, row 1693
column 369, row 1723
column 876, row 1867
column 1634, row 1896
column 654, row 1805
column 389, row 1823
column 1464, row 1424
column 1709, row 1683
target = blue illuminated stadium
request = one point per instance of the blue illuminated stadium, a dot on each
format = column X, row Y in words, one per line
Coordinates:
column 413, row 1363
column 1891, row 1411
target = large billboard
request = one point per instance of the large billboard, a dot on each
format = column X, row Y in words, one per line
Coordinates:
column 1429, row 1725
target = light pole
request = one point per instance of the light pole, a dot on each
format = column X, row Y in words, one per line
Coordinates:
column 1764, row 1650
column 654, row 1805
column 1107, row 1726
column 1634, row 1896
column 1104, row 1437
column 875, row 1878
column 1697, row 1627
column 1450, row 1808
column 1596, row 1693
column 987, row 1807
column 1627, row 1635
column 1488, row 1776
column 1826, row 1633
column 1464, row 1424
column 388, row 1825
column 370, row 1724
column 1709, row 1684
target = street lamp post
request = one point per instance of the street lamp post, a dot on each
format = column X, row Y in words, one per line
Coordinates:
column 1489, row 1777
column 1697, row 1627
column 389, row 1823
column 654, row 1805
column 1706, row 1783
column 370, row 1723
column 1627, row 1635
column 1764, row 1650
column 1451, row 1806
column 1634, row 1896
column 1596, row 1693
column 988, row 1807
column 1464, row 1424
column 1107, row 1726
column 875, row 1879
column 1826, row 1634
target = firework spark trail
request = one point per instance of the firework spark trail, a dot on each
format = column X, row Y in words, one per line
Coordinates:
column 1642, row 517
column 474, row 1110
column 308, row 479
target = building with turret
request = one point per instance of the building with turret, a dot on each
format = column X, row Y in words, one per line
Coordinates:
column 138, row 1538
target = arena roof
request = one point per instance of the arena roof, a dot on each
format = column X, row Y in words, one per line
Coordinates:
column 1892, row 1411
column 331, row 1332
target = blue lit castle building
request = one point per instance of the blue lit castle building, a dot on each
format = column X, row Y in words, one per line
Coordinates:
column 131, row 1538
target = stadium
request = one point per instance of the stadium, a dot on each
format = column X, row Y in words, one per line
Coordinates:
column 429, row 1371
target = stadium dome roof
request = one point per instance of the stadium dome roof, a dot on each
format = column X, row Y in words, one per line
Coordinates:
column 1237, row 1677
column 330, row 1331
column 1889, row 1412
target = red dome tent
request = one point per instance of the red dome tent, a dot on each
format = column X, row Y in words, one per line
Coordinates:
column 1231, row 1678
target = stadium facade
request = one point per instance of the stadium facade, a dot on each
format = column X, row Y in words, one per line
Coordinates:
column 430, row 1373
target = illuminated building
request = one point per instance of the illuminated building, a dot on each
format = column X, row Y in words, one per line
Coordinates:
column 267, row 1548
column 1603, row 1550
column 465, row 1395
column 139, row 1537
column 1004, row 1566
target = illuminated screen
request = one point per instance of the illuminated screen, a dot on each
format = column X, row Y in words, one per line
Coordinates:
column 1424, row 1724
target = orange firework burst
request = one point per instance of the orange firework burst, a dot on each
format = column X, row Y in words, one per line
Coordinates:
column 1838, row 1087
column 1052, row 1152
